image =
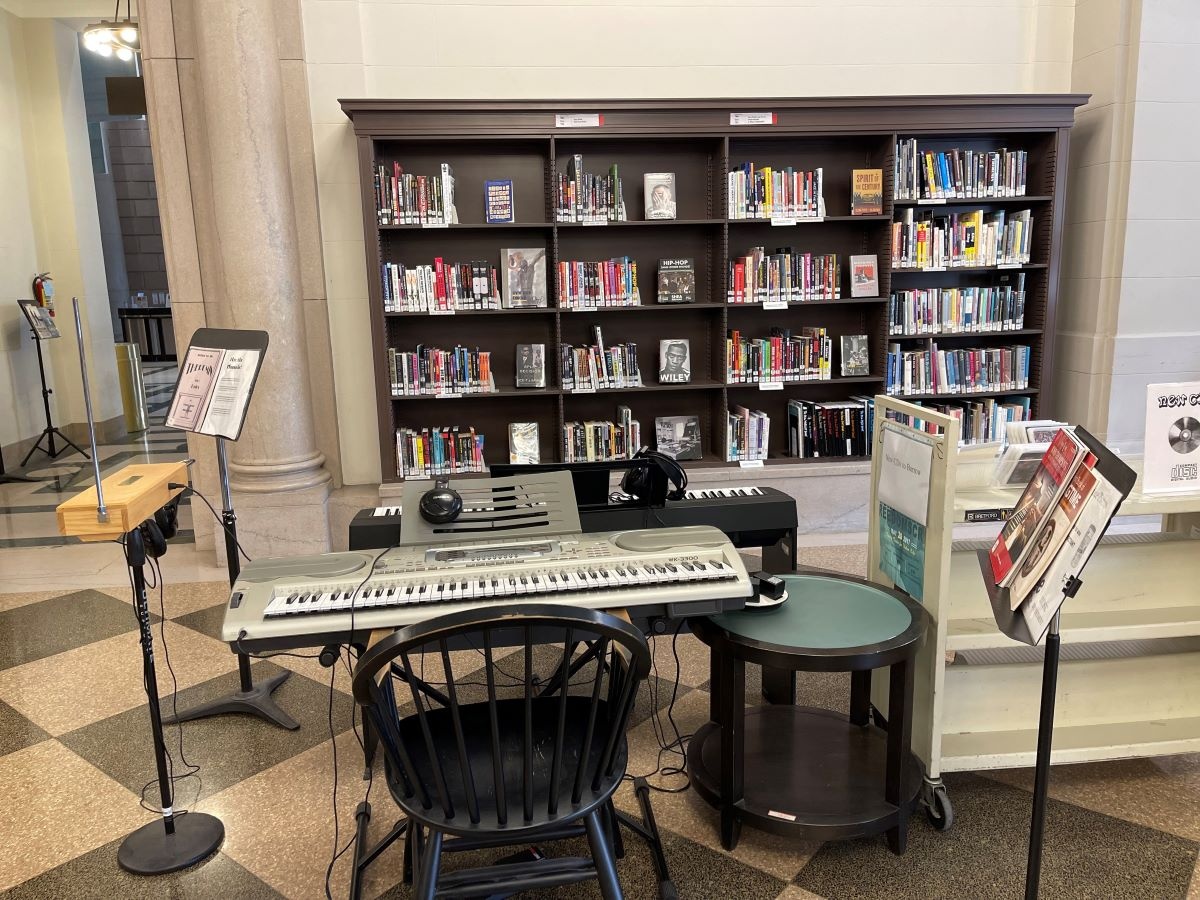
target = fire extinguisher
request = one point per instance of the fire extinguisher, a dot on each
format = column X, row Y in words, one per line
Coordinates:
column 43, row 291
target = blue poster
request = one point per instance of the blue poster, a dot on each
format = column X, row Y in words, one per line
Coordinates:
column 902, row 550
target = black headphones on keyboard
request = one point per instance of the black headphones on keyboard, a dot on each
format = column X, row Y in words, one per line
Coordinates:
column 441, row 504
column 664, row 480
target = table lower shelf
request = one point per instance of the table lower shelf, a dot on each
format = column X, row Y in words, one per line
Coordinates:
column 808, row 773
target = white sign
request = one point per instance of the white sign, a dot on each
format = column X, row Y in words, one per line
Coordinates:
column 753, row 118
column 783, row 220
column 1172, row 448
column 932, row 201
column 770, row 385
column 578, row 120
column 751, row 463
column 774, row 304
column 904, row 474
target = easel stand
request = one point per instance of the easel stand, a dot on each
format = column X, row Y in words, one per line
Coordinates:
column 180, row 841
column 251, row 698
column 51, row 429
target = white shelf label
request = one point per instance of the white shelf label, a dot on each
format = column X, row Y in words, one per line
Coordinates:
column 936, row 201
column 584, row 390
column 441, row 312
column 778, row 221
column 934, row 269
column 583, row 309
column 1008, row 265
column 775, row 304
column 435, row 224
column 595, row 222
column 753, row 118
column 578, row 120
column 448, row 395
column 751, row 463
column 770, row 385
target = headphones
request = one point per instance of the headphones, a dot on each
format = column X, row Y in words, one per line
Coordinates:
column 664, row 480
column 149, row 540
column 441, row 504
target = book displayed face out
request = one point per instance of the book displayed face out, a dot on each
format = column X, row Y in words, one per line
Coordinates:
column 674, row 361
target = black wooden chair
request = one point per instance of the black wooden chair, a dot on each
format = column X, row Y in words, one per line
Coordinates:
column 528, row 767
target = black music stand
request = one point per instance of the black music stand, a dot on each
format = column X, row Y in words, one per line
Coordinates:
column 250, row 697
column 42, row 327
column 1013, row 624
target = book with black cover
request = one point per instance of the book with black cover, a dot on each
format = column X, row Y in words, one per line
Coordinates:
column 676, row 281
column 674, row 361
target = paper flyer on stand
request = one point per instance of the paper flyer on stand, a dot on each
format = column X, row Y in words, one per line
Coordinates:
column 214, row 391
column 197, row 376
column 902, row 550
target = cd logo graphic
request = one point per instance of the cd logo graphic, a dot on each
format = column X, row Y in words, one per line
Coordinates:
column 1184, row 435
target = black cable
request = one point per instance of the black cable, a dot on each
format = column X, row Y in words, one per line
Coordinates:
column 188, row 489
column 676, row 746
column 193, row 770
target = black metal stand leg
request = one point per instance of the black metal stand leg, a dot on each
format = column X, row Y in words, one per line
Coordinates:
column 779, row 685
column 733, row 740
column 362, row 818
column 899, row 734
column 171, row 843
column 51, row 430
column 860, row 697
column 602, row 856
column 1041, row 782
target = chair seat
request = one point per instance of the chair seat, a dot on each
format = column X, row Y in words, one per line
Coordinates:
column 477, row 731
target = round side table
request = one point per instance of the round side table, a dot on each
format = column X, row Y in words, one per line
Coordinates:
column 812, row 772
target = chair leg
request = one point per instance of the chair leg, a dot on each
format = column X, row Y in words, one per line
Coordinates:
column 427, row 872
column 614, row 825
column 602, row 857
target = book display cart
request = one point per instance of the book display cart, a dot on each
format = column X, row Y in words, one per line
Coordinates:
column 533, row 143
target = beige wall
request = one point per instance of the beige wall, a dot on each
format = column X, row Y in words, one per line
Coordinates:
column 46, row 182
column 630, row 49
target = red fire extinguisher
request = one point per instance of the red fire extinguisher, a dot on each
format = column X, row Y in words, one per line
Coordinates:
column 43, row 291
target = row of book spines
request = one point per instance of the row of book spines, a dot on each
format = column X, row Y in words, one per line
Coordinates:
column 448, row 450
column 832, row 429
column 600, row 441
column 964, row 370
column 404, row 199
column 956, row 310
column 806, row 357
column 747, row 434
column 584, row 197
column 441, row 286
column 981, row 421
column 431, row 370
column 784, row 277
column 760, row 193
column 611, row 282
column 958, row 174
column 962, row 239
column 600, row 367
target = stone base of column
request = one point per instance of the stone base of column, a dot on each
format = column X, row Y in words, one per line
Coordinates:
column 283, row 523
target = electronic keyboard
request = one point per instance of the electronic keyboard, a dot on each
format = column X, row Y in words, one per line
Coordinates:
column 342, row 597
column 751, row 516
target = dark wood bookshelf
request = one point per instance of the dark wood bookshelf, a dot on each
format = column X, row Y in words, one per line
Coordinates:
column 518, row 140
column 969, row 395
column 966, row 335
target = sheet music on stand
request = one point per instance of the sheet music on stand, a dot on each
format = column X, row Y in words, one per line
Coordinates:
column 216, row 379
column 40, row 320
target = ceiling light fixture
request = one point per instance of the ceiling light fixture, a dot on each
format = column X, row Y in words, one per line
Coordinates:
column 119, row 36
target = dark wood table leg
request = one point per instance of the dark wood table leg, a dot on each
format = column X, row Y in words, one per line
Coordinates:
column 899, row 734
column 733, row 745
column 714, row 686
column 860, row 697
column 779, row 685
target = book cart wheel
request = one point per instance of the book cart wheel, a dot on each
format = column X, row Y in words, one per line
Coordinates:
column 938, row 808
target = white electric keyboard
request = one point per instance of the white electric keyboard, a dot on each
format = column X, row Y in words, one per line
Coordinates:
column 339, row 597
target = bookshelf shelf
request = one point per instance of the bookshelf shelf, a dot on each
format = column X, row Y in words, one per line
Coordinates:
column 968, row 395
column 967, row 335
column 502, row 392
column 812, row 382
column 967, row 270
column 518, row 141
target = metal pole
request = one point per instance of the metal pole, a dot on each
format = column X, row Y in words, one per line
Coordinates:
column 232, row 561
column 101, row 509
column 1041, row 783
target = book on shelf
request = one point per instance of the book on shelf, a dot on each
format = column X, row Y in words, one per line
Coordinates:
column 932, row 370
column 783, row 356
column 524, row 277
column 866, row 192
column 674, row 361
column 926, row 240
column 958, row 174
column 428, row 452
column 1172, row 447
column 981, row 421
column 783, row 277
column 585, row 285
column 659, row 191
column 764, row 192
column 678, row 437
column 498, row 205
column 1018, row 463
column 747, row 434
column 830, row 429
column 676, row 281
column 599, row 368
column 531, row 366
column 1035, row 508
column 402, row 198
column 1033, row 431
column 587, row 198
column 597, row 441
column 959, row 310
column 856, row 355
column 432, row 371
column 441, row 287
column 864, row 275
column 523, row 446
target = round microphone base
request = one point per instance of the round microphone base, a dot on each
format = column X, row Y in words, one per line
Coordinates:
column 152, row 851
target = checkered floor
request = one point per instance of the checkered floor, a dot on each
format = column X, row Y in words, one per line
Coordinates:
column 75, row 754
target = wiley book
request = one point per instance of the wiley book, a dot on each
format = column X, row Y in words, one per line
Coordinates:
column 866, row 192
column 674, row 361
column 676, row 281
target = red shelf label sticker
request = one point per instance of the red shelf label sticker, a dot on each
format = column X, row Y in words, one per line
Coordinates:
column 578, row 120
column 753, row 118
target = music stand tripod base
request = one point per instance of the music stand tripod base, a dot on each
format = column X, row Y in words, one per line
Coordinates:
column 152, row 851
column 255, row 700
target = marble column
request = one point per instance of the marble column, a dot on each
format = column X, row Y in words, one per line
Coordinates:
column 279, row 478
